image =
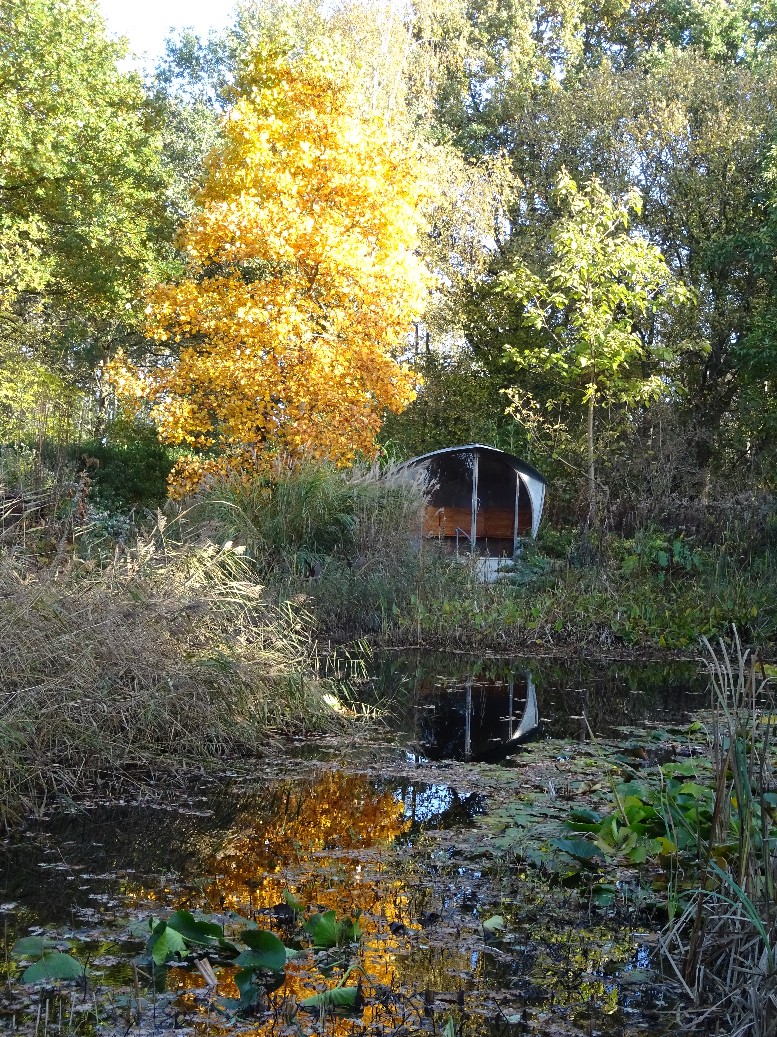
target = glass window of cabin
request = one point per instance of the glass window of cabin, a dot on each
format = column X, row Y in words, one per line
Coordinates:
column 451, row 480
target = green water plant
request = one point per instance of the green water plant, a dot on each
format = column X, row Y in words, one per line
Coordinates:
column 50, row 963
column 259, row 956
column 327, row 931
column 722, row 945
column 662, row 814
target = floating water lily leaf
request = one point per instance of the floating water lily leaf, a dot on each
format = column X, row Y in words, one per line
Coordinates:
column 249, row 992
column 693, row 788
column 337, row 997
column 581, row 849
column 292, row 902
column 195, row 930
column 53, row 967
column 494, row 923
column 165, row 943
column 31, row 947
column 327, row 932
column 141, row 928
column 265, row 951
column 323, row 929
column 685, row 769
column 636, row 976
column 228, row 1005
column 584, row 820
column 603, row 895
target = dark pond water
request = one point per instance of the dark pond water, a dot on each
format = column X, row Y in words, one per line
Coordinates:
column 367, row 828
column 453, row 707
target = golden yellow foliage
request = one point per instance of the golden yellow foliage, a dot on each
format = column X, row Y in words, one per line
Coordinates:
column 301, row 282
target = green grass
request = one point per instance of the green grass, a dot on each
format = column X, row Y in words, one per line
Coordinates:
column 621, row 598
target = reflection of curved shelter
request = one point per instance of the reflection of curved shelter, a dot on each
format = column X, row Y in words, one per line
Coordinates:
column 527, row 725
column 482, row 497
column 479, row 719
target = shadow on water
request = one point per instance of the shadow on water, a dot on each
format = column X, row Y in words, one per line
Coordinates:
column 457, row 708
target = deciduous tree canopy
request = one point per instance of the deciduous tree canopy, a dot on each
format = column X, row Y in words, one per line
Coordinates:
column 301, row 279
column 83, row 221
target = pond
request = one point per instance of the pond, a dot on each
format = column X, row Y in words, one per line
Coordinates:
column 458, row 935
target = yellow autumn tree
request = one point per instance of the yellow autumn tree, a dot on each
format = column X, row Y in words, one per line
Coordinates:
column 302, row 278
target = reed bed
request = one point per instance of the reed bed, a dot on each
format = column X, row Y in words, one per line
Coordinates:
column 348, row 541
column 722, row 946
column 168, row 653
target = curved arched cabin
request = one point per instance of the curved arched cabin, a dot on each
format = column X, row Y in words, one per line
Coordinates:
column 481, row 499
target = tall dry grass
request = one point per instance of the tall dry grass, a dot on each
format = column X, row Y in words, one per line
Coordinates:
column 348, row 541
column 167, row 653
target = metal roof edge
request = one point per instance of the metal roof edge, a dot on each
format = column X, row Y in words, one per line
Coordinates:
column 523, row 466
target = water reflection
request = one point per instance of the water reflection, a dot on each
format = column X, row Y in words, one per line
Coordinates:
column 477, row 719
column 239, row 849
column 483, row 710
column 351, row 843
column 327, row 837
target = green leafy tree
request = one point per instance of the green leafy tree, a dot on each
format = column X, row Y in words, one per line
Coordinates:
column 675, row 100
column 83, row 216
column 80, row 164
column 587, row 308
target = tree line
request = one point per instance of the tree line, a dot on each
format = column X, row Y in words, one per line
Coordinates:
column 548, row 226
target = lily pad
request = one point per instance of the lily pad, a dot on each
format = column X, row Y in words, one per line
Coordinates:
column 337, row 997
column 31, row 947
column 581, row 849
column 195, row 930
column 53, row 967
column 494, row 923
column 165, row 943
column 265, row 951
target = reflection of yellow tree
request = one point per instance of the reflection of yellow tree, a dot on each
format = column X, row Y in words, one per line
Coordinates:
column 315, row 839
column 325, row 841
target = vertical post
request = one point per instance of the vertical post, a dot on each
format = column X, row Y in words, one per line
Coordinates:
column 474, row 519
column 517, row 505
column 468, row 722
column 511, row 689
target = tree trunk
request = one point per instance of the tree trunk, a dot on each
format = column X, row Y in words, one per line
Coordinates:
column 592, row 510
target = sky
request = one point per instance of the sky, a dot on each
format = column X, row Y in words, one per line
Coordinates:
column 146, row 23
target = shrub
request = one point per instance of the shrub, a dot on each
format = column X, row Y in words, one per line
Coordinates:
column 127, row 471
